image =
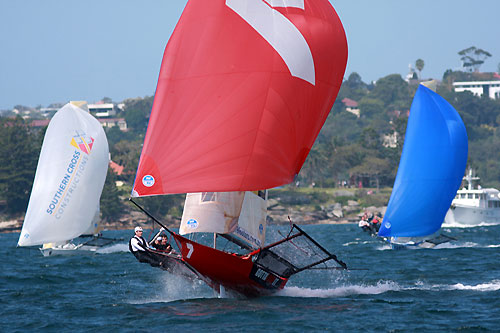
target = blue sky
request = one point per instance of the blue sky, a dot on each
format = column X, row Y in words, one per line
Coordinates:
column 61, row 50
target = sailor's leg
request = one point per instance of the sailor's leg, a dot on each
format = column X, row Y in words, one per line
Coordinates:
column 146, row 257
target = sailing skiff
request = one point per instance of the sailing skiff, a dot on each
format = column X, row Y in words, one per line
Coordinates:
column 244, row 89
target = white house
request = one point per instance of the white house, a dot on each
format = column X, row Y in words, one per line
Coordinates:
column 102, row 110
column 111, row 122
column 479, row 88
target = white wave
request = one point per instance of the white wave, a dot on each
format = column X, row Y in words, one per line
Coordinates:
column 456, row 245
column 113, row 248
column 355, row 243
column 490, row 286
column 384, row 247
column 340, row 291
column 453, row 224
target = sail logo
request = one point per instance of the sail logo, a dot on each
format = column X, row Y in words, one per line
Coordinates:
column 68, row 185
column 387, row 225
column 247, row 236
column 83, row 142
column 192, row 224
column 148, row 180
column 279, row 32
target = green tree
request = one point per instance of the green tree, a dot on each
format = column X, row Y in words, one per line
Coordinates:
column 400, row 127
column 115, row 135
column 419, row 64
column 370, row 138
column 127, row 153
column 137, row 113
column 112, row 207
column 373, row 167
column 160, row 205
column 353, row 88
column 370, row 107
column 472, row 58
column 354, row 81
column 390, row 89
column 315, row 168
column 19, row 150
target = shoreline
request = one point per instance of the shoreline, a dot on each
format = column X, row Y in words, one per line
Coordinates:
column 138, row 219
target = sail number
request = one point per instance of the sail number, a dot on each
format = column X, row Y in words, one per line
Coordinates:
column 261, row 274
column 279, row 32
column 191, row 250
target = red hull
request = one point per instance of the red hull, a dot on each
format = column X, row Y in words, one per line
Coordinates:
column 235, row 273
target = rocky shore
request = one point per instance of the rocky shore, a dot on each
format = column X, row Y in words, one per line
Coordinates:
column 277, row 214
column 301, row 206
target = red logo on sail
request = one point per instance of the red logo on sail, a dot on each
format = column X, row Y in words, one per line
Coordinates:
column 83, row 142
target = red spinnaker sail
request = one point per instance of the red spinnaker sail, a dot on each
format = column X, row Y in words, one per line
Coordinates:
column 244, row 89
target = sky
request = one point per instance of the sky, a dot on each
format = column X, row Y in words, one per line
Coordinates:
column 54, row 51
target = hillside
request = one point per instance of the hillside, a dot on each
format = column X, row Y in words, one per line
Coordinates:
column 357, row 154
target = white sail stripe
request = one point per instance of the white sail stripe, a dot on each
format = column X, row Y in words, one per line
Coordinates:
column 280, row 33
column 286, row 3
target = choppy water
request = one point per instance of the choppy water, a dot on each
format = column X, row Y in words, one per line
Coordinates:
column 452, row 288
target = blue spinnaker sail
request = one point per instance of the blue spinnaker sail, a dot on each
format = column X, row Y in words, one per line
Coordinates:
column 430, row 170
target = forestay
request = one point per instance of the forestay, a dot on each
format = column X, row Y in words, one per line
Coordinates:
column 69, row 179
column 430, row 170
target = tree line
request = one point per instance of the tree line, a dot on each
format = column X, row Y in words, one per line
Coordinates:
column 349, row 149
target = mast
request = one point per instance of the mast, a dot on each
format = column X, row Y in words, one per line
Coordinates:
column 470, row 178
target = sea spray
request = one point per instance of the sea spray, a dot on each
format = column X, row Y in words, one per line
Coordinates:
column 341, row 291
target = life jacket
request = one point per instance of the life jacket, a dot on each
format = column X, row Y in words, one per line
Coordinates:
column 141, row 240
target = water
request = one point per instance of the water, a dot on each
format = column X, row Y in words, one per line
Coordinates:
column 452, row 288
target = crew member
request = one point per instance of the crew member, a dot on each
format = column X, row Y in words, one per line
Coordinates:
column 140, row 249
column 158, row 244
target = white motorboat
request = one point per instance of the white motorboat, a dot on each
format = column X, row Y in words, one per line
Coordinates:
column 474, row 206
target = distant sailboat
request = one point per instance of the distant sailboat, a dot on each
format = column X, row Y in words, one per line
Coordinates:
column 430, row 172
column 244, row 89
column 69, row 179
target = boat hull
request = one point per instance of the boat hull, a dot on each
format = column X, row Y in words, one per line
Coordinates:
column 69, row 250
column 410, row 245
column 474, row 216
column 402, row 243
column 235, row 273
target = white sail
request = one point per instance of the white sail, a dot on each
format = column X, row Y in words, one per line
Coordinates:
column 94, row 225
column 252, row 222
column 242, row 214
column 69, row 179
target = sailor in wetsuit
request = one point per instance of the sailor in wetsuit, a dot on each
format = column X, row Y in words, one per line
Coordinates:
column 139, row 248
